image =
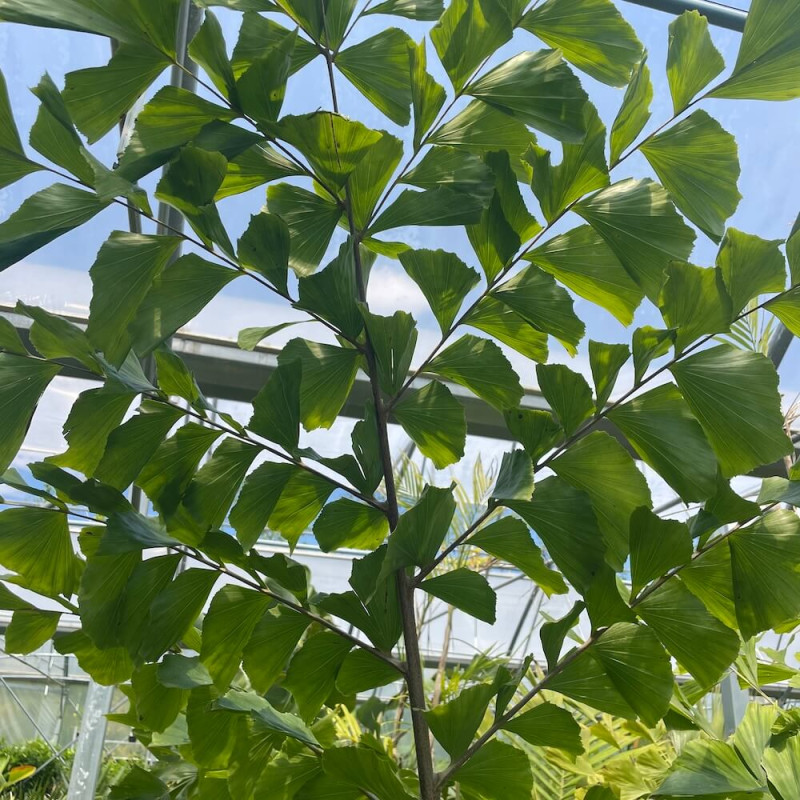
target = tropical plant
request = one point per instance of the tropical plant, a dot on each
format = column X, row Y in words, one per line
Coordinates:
column 241, row 696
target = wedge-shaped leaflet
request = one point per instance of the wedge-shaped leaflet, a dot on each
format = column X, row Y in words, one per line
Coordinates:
column 298, row 504
column 311, row 675
column 455, row 723
column 733, row 394
column 750, row 267
column 547, row 725
column 708, row 767
column 708, row 577
column 498, row 771
column 420, row 531
column 175, row 609
column 781, row 763
column 553, row 634
column 122, row 275
column 647, row 344
column 311, row 220
column 633, row 113
column 503, row 323
column 510, row 540
column 276, row 407
column 640, row 224
column 328, row 374
column 35, row 543
column 769, row 547
column 370, row 177
column 697, row 161
column 662, row 430
column 582, row 261
column 582, row 169
column 600, row 466
column 514, row 478
column 435, row 421
column 393, row 340
column 258, row 35
column 29, row 629
column 366, row 769
column 563, row 518
column 209, row 50
column 362, row 671
column 692, row 60
column 379, row 68
column 253, row 167
column 14, row 164
column 540, row 90
column 787, row 309
column 537, row 431
column 768, row 64
column 697, row 640
column 454, row 168
column 156, row 706
column 264, row 247
column 481, row 367
column 274, row 639
column 427, row 96
column 107, row 667
column 606, row 361
column 567, row 393
column 181, row 291
column 440, row 206
column 468, row 32
column 257, row 501
column 591, row 34
column 44, row 217
column 423, row 10
column 347, row 523
column 537, row 298
column 443, row 278
column 56, row 337
column 227, row 628
column 22, row 382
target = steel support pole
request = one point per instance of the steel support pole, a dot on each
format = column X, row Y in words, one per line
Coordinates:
column 716, row 13
column 734, row 702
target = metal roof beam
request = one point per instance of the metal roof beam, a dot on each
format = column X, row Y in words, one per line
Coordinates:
column 717, row 14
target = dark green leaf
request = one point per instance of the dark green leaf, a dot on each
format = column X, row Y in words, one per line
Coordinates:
column 435, row 421
column 264, row 247
column 208, row 50
column 427, row 96
column 272, row 643
column 455, row 723
column 657, row 545
column 547, row 725
column 553, row 633
column 540, row 90
column 361, row 671
column 10, row 341
column 510, row 540
column 497, row 771
column 441, row 206
column 567, row 393
column 367, row 769
column 276, row 407
column 606, row 361
column 454, row 168
column 634, row 111
column 107, row 667
column 466, row 590
column 601, row 467
column 537, row 431
column 481, row 367
column 22, row 382
column 257, row 501
column 514, row 478
column 393, row 341
column 503, row 323
column 591, row 34
column 257, row 165
column 29, row 629
column 370, row 177
column 733, row 394
column 697, row 161
column 660, row 427
column 692, row 60
column 347, row 523
column 44, row 217
column 55, row 337
column 301, row 500
column 13, row 162
column 130, row 532
column 157, row 706
column 251, row 338
column 379, row 68
column 649, row 343
column 259, row 34
column 423, row 10
column 640, row 224
column 183, row 672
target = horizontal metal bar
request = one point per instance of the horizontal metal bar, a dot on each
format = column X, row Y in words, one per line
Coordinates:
column 717, row 14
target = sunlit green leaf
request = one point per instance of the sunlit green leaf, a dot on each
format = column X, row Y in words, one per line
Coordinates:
column 567, row 393
column 440, row 206
column 606, row 361
column 455, row 722
column 547, row 725
column 497, row 771
column 634, row 111
column 427, row 96
column 468, row 591
column 13, row 162
column 503, row 323
column 347, row 523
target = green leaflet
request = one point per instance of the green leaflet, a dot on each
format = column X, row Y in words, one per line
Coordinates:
column 273, row 641
column 311, row 220
column 440, row 206
column 424, row 10
column 709, row 579
column 323, row 23
column 750, row 267
column 697, row 161
column 468, row 32
column 301, row 499
column 328, row 375
column 649, row 343
column 540, row 90
column 347, row 523
column 514, row 478
column 56, row 337
column 510, row 540
column 209, row 51
column 662, row 430
column 157, row 706
column 781, row 765
column 107, row 667
column 276, row 407
column 393, row 340
column 767, row 547
column 692, row 60
column 787, row 309
column 468, row 591
column 122, row 275
column 582, row 169
column 259, row 496
column 253, row 167
column 258, row 35
column 231, row 619
column 361, row 671
column 640, row 224
column 10, row 341
column 553, row 634
column 481, row 367
column 606, row 361
column 44, row 217
column 379, row 68
column 547, row 725
column 695, row 638
column 35, row 543
column 582, row 261
column 768, row 63
column 591, row 34
column 366, row 769
column 443, row 278
column 502, row 322
column 633, row 113
column 600, row 466
column 537, row 431
column 733, row 394
column 427, row 96
column 435, row 421
column 455, row 723
column 538, row 299
column 264, row 247
column 13, row 162
column 29, row 629
column 22, row 383
column 498, row 771
column 454, row 168
column 567, row 393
